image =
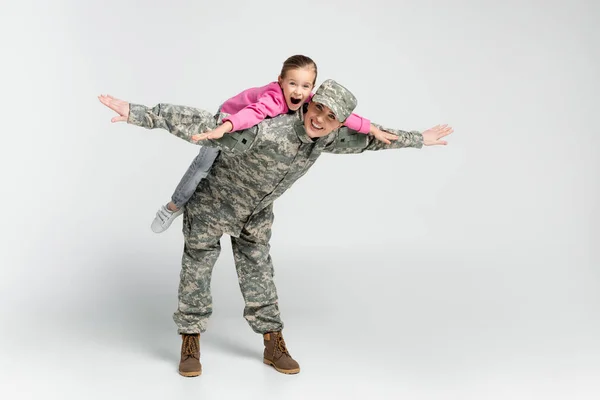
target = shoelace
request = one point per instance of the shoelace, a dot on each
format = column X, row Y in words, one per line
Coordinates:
column 190, row 346
column 280, row 343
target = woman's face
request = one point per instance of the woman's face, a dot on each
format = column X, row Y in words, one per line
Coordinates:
column 319, row 120
column 297, row 85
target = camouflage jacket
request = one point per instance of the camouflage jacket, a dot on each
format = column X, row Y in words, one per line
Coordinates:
column 256, row 165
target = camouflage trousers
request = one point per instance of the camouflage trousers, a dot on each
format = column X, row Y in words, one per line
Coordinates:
column 253, row 265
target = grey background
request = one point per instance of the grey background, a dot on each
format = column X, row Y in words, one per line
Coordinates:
column 461, row 272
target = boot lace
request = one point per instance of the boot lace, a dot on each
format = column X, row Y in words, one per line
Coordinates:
column 190, row 346
column 280, row 344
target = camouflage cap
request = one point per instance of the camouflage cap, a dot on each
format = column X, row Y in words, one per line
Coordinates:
column 339, row 99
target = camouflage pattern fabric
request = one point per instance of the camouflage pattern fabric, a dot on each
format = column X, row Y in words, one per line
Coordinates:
column 254, row 168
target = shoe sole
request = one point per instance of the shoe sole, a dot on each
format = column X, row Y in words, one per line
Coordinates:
column 190, row 374
column 283, row 371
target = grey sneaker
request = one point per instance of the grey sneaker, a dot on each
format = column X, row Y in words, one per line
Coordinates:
column 164, row 218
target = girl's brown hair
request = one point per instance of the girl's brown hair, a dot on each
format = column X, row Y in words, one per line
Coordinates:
column 296, row 62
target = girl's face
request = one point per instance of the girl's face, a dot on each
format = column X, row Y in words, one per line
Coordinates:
column 297, row 85
column 319, row 120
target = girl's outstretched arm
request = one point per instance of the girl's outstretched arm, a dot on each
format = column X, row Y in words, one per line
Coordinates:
column 363, row 125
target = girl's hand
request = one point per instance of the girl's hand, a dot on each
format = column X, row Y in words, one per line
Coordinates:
column 215, row 133
column 119, row 106
column 383, row 136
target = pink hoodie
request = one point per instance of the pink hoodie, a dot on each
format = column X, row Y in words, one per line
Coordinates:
column 255, row 104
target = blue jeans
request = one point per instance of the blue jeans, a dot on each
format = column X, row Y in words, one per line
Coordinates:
column 197, row 171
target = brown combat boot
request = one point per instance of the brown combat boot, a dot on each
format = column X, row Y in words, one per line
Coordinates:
column 190, row 355
column 276, row 354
